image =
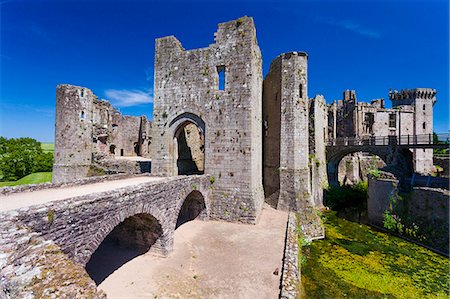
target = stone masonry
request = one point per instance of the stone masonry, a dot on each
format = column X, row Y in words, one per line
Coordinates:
column 70, row 230
column 90, row 133
column 214, row 114
column 411, row 114
column 187, row 90
column 285, row 97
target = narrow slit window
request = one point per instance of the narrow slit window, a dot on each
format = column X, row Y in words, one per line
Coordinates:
column 424, row 126
column 221, row 74
column 82, row 93
column 301, row 90
column 424, row 108
column 82, row 115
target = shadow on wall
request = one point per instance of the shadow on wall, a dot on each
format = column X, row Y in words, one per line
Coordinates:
column 131, row 238
column 192, row 208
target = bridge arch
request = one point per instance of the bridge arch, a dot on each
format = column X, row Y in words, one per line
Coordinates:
column 335, row 156
column 133, row 236
column 188, row 148
column 192, row 207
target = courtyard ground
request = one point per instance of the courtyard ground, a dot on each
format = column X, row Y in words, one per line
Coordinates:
column 211, row 259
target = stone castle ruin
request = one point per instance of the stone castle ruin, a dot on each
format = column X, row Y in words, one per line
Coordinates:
column 259, row 140
column 411, row 114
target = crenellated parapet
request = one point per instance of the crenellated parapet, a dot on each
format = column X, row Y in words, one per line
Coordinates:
column 405, row 94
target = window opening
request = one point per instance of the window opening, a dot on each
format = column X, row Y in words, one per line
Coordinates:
column 221, row 73
column 392, row 121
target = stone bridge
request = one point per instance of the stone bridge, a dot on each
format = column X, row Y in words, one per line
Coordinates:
column 45, row 243
column 393, row 150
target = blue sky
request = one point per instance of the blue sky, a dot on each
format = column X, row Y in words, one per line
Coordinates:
column 108, row 46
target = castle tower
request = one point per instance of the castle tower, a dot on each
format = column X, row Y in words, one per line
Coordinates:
column 73, row 133
column 421, row 100
column 286, row 146
column 218, row 89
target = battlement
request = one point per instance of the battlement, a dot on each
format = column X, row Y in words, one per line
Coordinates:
column 405, row 94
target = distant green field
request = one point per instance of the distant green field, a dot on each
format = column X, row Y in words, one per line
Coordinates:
column 48, row 147
column 34, row 178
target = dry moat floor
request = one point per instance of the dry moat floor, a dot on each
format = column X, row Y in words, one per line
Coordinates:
column 210, row 260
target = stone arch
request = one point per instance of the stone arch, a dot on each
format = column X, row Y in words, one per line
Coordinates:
column 334, row 158
column 188, row 148
column 127, row 239
column 108, row 224
column 192, row 207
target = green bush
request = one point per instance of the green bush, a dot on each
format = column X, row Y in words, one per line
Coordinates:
column 342, row 197
column 22, row 156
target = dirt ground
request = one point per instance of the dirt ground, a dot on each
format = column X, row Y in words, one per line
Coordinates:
column 210, row 260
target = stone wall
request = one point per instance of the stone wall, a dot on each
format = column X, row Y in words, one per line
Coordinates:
column 354, row 168
column 380, row 192
column 425, row 206
column 291, row 277
column 70, row 230
column 73, row 132
column 286, row 92
column 411, row 114
column 318, row 135
column 88, row 127
column 32, row 267
column 187, row 90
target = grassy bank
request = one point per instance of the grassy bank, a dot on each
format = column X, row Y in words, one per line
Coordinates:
column 34, row 178
column 48, row 147
column 354, row 261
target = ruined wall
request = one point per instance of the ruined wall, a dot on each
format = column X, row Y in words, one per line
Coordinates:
column 318, row 130
column 355, row 167
column 187, row 89
column 32, row 267
column 89, row 130
column 73, row 132
column 428, row 207
column 294, row 171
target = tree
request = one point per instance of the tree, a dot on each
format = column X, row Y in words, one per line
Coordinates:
column 22, row 156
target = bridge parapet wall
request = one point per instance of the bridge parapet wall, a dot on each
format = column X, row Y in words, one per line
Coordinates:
column 32, row 267
column 69, row 231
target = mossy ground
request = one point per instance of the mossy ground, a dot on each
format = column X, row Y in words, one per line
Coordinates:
column 354, row 261
column 34, row 178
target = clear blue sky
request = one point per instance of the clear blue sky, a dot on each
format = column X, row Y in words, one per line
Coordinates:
column 108, row 46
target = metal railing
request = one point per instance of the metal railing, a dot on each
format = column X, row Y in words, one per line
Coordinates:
column 421, row 139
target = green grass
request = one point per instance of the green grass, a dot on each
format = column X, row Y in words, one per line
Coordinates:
column 34, row 178
column 48, row 147
column 354, row 261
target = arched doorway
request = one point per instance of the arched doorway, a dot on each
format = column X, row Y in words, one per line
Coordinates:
column 132, row 237
column 193, row 207
column 189, row 145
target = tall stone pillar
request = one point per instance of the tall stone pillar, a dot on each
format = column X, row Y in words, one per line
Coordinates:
column 286, row 86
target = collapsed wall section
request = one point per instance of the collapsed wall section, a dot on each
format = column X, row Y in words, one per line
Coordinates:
column 219, row 90
column 90, row 134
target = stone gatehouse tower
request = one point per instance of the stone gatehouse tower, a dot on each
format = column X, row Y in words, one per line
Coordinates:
column 219, row 90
